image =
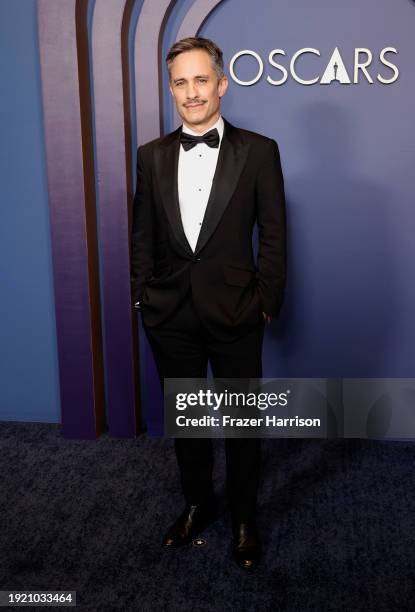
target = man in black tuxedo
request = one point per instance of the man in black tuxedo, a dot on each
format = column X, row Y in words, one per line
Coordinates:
column 202, row 297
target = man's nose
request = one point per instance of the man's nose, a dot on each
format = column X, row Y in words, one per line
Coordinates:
column 191, row 91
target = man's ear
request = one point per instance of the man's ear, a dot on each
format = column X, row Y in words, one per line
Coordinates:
column 223, row 85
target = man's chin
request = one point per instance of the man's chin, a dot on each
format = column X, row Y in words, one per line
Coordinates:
column 195, row 119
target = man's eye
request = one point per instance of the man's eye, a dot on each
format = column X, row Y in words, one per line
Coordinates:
column 202, row 80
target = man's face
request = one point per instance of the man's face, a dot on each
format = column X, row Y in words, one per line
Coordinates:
column 196, row 89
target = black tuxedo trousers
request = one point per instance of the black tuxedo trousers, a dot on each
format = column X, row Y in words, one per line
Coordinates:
column 182, row 347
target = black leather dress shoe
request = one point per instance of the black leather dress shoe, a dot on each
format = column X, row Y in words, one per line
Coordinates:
column 192, row 521
column 246, row 545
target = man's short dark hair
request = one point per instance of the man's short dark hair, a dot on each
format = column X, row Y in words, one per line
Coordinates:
column 191, row 43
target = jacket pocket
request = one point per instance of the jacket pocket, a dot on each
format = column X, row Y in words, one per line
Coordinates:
column 239, row 276
column 161, row 274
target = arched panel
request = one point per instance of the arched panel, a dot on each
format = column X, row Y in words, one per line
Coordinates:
column 71, row 186
column 114, row 182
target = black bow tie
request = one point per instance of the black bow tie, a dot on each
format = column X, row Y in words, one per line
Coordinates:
column 189, row 141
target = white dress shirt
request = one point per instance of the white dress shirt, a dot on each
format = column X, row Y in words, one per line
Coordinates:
column 195, row 175
column 194, row 180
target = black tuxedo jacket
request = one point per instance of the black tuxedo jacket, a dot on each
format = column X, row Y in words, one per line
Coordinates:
column 230, row 290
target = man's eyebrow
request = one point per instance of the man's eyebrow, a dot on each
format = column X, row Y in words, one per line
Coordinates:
column 198, row 76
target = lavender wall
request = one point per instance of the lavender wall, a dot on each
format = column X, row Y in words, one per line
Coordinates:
column 347, row 153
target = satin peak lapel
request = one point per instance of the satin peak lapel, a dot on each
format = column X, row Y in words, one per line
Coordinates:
column 232, row 156
column 166, row 162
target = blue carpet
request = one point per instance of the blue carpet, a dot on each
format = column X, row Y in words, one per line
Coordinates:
column 336, row 518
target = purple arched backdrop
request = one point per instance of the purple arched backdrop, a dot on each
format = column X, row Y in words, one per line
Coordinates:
column 347, row 151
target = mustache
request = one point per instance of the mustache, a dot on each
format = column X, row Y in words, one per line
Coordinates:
column 194, row 102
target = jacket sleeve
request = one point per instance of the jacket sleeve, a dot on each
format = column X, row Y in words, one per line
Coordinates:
column 141, row 264
column 271, row 221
